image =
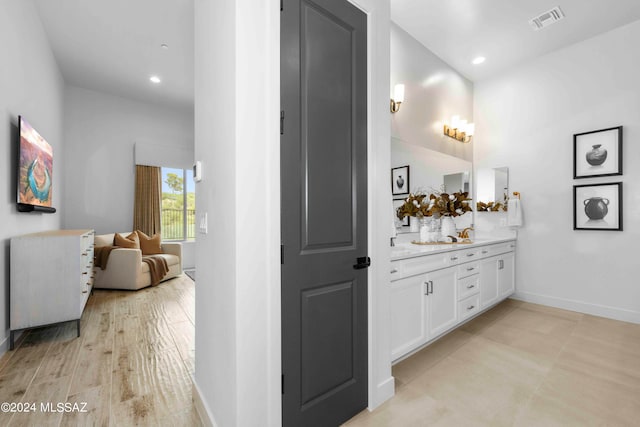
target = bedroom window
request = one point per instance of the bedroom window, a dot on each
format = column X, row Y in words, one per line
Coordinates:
column 178, row 204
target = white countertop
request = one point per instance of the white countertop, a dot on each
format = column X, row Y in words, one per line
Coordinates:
column 406, row 249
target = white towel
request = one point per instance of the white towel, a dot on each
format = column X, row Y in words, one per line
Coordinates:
column 514, row 213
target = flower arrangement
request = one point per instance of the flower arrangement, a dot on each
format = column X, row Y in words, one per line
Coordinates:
column 490, row 207
column 493, row 206
column 438, row 204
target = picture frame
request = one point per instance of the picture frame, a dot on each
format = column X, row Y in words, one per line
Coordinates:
column 400, row 180
column 597, row 206
column 597, row 153
column 406, row 222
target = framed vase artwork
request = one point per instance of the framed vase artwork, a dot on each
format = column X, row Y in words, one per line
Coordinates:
column 597, row 153
column 400, row 180
column 396, row 204
column 597, row 206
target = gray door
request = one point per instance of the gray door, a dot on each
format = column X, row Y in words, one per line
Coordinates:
column 324, row 211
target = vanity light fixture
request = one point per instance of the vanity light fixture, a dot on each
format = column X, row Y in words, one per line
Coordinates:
column 459, row 129
column 398, row 98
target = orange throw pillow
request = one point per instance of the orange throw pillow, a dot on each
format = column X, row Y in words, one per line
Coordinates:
column 150, row 245
column 129, row 242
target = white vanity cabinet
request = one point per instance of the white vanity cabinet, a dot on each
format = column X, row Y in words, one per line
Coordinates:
column 506, row 275
column 433, row 293
column 424, row 307
column 409, row 324
column 442, row 308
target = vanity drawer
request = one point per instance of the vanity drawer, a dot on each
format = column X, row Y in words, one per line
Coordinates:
column 469, row 255
column 468, row 269
column 502, row 248
column 468, row 307
column 468, row 286
column 396, row 270
column 423, row 264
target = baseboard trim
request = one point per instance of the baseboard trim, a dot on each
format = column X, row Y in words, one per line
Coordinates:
column 202, row 408
column 580, row 306
column 384, row 391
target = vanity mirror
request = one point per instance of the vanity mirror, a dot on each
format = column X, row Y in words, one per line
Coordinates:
column 432, row 171
column 492, row 189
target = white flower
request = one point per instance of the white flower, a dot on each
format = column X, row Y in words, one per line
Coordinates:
column 415, row 202
column 452, row 197
column 459, row 211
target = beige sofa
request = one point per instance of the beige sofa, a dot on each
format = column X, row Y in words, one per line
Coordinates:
column 125, row 269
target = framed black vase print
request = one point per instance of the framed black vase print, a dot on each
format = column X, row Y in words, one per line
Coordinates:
column 400, row 180
column 597, row 153
column 597, row 206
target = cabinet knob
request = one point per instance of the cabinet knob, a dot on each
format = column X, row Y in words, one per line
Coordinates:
column 471, row 307
column 395, row 270
column 471, row 286
column 454, row 258
column 485, row 252
column 85, row 291
column 471, row 268
column 472, row 254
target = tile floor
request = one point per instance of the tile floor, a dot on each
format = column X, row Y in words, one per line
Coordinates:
column 520, row 364
column 132, row 364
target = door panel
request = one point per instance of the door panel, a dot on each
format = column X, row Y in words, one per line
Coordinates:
column 324, row 211
column 408, row 315
column 443, row 304
column 326, row 129
column 327, row 337
column 488, row 281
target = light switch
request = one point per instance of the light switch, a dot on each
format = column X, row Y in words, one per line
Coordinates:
column 202, row 223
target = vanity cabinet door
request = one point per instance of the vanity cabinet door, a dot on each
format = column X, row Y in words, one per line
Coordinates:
column 488, row 281
column 442, row 301
column 506, row 275
column 408, row 315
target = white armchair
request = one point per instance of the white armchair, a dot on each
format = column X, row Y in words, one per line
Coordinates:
column 125, row 269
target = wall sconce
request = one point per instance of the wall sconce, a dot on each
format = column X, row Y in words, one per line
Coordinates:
column 459, row 129
column 398, row 98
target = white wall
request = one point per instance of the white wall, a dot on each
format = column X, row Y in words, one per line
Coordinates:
column 433, row 93
column 100, row 132
column 525, row 120
column 238, row 309
column 30, row 85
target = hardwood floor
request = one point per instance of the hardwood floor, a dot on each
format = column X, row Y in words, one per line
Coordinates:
column 132, row 364
column 520, row 364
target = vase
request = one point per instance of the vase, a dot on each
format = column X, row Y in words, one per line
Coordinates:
column 447, row 227
column 400, row 182
column 597, row 155
column 424, row 229
column 596, row 207
column 414, row 224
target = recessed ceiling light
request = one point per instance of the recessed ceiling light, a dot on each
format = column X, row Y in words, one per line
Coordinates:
column 164, row 46
column 155, row 79
column 478, row 60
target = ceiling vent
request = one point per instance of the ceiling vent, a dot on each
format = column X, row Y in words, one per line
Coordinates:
column 547, row 18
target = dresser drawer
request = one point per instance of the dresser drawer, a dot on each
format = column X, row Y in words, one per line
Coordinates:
column 468, row 307
column 468, row 286
column 468, row 269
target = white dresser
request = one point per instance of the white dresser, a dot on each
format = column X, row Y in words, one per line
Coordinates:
column 51, row 278
column 434, row 289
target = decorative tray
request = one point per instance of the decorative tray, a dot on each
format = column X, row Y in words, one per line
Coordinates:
column 459, row 242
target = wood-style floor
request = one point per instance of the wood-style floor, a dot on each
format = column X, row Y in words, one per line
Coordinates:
column 132, row 364
column 520, row 364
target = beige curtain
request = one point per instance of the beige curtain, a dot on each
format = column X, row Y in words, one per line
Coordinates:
column 146, row 206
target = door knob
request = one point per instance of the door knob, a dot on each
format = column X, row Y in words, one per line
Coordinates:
column 362, row 262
